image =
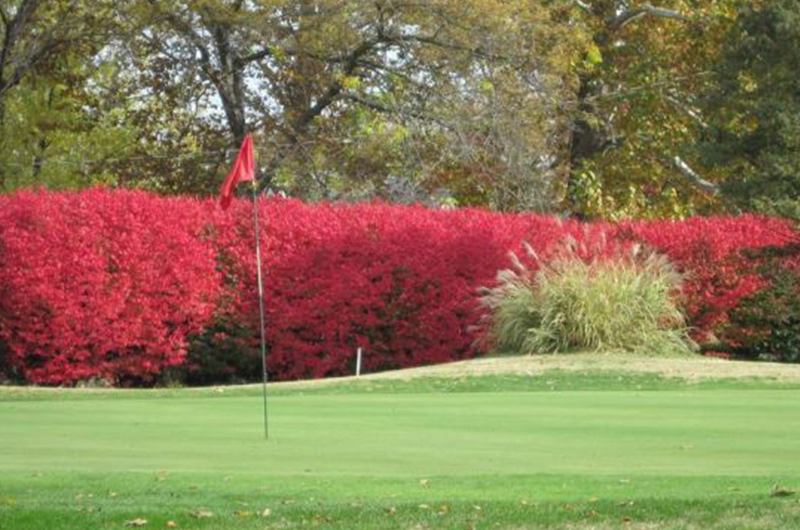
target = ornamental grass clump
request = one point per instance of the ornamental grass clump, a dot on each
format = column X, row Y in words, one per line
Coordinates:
column 616, row 300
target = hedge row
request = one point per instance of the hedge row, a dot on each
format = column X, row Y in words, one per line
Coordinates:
column 127, row 286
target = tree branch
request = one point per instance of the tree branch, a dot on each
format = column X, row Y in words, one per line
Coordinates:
column 583, row 5
column 310, row 114
column 694, row 114
column 13, row 29
column 195, row 39
column 386, row 109
column 629, row 15
column 256, row 56
column 693, row 178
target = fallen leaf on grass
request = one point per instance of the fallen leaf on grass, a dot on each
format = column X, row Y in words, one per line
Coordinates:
column 423, row 483
column 202, row 513
column 266, row 513
column 778, row 491
column 172, row 524
column 112, row 494
column 392, row 511
column 423, row 506
column 136, row 522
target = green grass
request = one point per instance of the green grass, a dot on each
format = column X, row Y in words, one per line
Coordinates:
column 586, row 450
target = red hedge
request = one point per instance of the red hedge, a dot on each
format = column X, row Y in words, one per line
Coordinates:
column 112, row 284
column 101, row 285
column 397, row 281
column 710, row 251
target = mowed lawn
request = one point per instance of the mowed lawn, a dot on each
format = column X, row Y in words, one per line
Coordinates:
column 485, row 452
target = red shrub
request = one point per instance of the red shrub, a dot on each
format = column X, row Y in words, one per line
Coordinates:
column 398, row 281
column 101, row 284
column 710, row 253
column 112, row 284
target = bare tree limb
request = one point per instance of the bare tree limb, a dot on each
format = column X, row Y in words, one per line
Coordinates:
column 629, row 15
column 256, row 56
column 693, row 113
column 386, row 109
column 304, row 120
column 693, row 177
column 583, row 5
column 198, row 42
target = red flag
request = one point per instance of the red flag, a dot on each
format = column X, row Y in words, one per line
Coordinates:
column 244, row 169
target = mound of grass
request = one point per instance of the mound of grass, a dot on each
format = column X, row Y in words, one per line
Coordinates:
column 625, row 300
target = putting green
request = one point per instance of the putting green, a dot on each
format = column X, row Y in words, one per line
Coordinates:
column 603, row 451
column 679, row 433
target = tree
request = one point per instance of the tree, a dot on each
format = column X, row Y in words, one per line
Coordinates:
column 47, row 50
column 755, row 109
column 470, row 86
column 630, row 150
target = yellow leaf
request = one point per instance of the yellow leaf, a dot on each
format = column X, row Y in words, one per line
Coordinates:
column 593, row 54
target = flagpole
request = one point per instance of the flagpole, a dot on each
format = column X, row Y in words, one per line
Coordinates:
column 261, row 308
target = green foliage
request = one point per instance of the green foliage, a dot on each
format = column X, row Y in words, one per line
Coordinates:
column 622, row 302
column 56, row 120
column 458, row 98
column 222, row 354
column 6, row 370
column 756, row 107
column 63, row 137
column 638, row 109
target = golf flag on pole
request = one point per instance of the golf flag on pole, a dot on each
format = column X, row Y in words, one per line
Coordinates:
column 243, row 170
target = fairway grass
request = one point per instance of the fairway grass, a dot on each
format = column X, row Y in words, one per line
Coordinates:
column 556, row 450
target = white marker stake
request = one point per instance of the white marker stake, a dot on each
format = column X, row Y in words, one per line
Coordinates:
column 358, row 363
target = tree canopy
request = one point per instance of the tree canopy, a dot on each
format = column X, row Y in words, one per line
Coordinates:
column 755, row 109
column 599, row 108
